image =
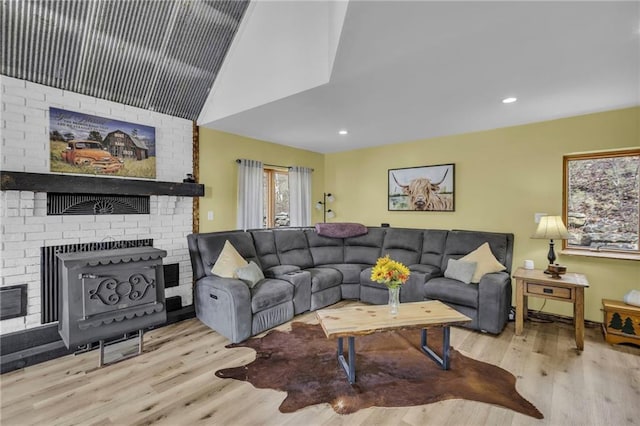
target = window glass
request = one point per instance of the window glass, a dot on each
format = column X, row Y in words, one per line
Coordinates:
column 276, row 198
column 602, row 201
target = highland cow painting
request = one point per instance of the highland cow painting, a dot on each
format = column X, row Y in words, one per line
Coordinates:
column 427, row 188
column 92, row 145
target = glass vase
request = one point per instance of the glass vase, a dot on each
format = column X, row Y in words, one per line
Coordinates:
column 394, row 300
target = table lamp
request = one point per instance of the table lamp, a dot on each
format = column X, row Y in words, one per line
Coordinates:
column 551, row 228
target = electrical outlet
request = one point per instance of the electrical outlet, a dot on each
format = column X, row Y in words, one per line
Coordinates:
column 210, row 215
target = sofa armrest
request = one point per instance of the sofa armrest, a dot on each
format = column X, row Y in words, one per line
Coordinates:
column 278, row 270
column 494, row 301
column 224, row 304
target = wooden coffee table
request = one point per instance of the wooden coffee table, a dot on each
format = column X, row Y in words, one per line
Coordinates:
column 361, row 320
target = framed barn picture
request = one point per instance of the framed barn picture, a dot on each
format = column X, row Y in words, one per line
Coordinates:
column 88, row 144
column 426, row 188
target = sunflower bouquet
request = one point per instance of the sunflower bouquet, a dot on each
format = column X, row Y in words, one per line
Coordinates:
column 389, row 272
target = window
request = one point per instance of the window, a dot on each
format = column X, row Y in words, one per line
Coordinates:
column 276, row 197
column 602, row 204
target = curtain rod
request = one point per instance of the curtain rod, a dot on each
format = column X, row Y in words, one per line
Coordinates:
column 273, row 165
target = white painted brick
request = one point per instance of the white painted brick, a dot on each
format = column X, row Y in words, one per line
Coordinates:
column 11, row 204
column 33, row 252
column 62, row 241
column 18, row 279
column 8, row 255
column 12, row 136
column 44, row 220
column 78, row 219
column 80, row 234
column 16, row 270
column 11, row 195
column 14, row 101
column 21, row 261
column 11, row 116
column 62, row 227
column 19, row 236
column 27, row 195
column 27, row 204
column 12, row 83
column 12, row 325
column 95, row 226
column 22, row 245
column 34, row 318
column 44, row 235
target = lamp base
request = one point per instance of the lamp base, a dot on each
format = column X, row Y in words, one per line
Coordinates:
column 556, row 271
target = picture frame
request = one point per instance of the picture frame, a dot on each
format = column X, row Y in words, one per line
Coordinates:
column 92, row 145
column 424, row 188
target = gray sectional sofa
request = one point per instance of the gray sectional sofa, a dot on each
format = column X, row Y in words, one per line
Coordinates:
column 305, row 271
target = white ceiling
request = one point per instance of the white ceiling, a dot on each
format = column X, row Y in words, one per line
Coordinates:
column 413, row 70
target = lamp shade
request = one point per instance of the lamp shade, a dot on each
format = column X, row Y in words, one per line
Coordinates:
column 551, row 228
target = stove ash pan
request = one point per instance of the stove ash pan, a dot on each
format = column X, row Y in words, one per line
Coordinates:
column 109, row 293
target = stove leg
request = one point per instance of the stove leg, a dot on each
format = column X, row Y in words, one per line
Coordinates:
column 102, row 363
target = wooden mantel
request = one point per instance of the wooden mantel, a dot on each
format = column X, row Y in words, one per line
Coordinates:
column 71, row 184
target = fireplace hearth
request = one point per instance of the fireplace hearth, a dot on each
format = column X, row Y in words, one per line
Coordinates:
column 109, row 293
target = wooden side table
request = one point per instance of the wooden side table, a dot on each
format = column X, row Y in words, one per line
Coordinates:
column 569, row 288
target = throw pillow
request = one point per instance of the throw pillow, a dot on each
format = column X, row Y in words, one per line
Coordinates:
column 460, row 270
column 250, row 274
column 487, row 262
column 228, row 261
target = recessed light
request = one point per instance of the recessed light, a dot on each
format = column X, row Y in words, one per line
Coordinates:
column 343, row 132
column 509, row 100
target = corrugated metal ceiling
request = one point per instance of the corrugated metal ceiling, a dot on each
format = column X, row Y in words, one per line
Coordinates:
column 158, row 55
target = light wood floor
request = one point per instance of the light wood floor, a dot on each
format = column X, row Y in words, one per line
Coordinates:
column 173, row 383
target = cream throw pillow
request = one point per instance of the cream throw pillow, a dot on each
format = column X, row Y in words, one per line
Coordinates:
column 486, row 261
column 228, row 261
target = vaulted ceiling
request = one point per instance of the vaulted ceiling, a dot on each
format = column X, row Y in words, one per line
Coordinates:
column 158, row 55
column 297, row 72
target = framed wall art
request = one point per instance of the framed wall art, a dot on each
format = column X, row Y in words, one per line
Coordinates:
column 425, row 188
column 88, row 144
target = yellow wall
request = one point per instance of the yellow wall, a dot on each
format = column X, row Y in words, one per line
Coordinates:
column 502, row 177
column 219, row 173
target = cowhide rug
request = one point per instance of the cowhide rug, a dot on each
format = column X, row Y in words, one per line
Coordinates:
column 391, row 371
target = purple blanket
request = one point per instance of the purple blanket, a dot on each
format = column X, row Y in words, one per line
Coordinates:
column 340, row 229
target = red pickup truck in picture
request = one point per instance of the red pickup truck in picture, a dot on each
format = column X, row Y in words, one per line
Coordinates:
column 92, row 154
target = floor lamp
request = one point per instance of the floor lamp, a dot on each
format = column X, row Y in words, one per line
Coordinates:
column 322, row 205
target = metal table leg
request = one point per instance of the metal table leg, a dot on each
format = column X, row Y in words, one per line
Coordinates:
column 350, row 367
column 444, row 361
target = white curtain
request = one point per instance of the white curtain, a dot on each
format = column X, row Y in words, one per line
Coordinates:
column 300, row 196
column 250, row 196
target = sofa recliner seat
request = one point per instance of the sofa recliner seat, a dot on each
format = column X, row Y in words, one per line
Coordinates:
column 305, row 272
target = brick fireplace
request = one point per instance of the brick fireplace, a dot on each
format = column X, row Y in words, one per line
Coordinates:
column 26, row 226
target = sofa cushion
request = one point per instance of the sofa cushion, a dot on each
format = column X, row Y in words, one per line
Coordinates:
column 433, row 242
column 324, row 250
column 429, row 271
column 452, row 291
column 485, row 260
column 250, row 274
column 228, row 262
column 269, row 293
column 266, row 248
column 324, row 278
column 365, row 248
column 210, row 245
column 293, row 248
column 461, row 243
column 350, row 271
column 460, row 270
column 403, row 245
